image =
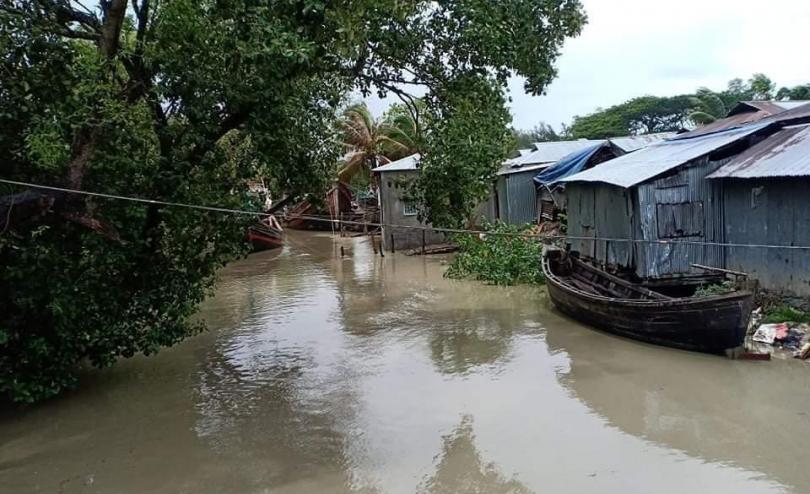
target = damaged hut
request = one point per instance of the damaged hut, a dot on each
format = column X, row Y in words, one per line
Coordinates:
column 515, row 198
column 652, row 211
column 550, row 191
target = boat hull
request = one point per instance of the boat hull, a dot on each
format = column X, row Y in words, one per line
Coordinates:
column 705, row 324
column 264, row 239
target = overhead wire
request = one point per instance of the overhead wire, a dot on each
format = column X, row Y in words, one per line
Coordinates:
column 336, row 222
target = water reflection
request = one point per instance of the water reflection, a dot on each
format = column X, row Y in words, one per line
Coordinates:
column 324, row 373
column 750, row 414
column 272, row 394
column 461, row 469
column 457, row 352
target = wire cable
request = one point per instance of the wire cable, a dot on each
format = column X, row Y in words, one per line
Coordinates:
column 334, row 222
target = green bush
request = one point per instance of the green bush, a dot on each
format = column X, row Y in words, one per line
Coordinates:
column 785, row 313
column 499, row 257
column 723, row 288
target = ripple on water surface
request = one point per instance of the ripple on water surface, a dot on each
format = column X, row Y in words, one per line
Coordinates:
column 363, row 374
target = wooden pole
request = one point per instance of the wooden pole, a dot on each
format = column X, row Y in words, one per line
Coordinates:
column 719, row 270
column 423, row 242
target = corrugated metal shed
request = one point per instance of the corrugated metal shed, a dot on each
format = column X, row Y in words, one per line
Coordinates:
column 635, row 168
column 521, row 198
column 754, row 111
column 508, row 169
column 784, row 154
column 772, row 211
column 634, row 143
column 601, row 211
column 550, row 152
column 800, row 114
column 726, row 123
column 408, row 163
column 772, row 107
column 677, row 208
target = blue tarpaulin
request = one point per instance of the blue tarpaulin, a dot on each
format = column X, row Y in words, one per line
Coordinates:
column 571, row 164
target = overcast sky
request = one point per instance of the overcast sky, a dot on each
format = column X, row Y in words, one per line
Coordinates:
column 636, row 47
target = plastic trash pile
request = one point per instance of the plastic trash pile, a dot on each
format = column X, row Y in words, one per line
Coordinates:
column 787, row 336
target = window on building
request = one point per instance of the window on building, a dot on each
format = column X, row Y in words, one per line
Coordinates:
column 409, row 210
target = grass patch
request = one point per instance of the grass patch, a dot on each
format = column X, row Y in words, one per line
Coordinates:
column 715, row 289
column 499, row 258
column 784, row 313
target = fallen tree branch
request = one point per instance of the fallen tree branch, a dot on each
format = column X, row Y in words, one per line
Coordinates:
column 98, row 226
column 26, row 206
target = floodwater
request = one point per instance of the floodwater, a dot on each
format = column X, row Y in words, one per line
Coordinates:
column 324, row 374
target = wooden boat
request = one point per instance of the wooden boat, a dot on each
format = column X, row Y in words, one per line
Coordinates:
column 265, row 235
column 708, row 324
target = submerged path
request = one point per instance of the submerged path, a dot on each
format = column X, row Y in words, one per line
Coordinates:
column 362, row 374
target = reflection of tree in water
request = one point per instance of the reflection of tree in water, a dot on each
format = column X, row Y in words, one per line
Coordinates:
column 481, row 341
column 462, row 471
column 267, row 423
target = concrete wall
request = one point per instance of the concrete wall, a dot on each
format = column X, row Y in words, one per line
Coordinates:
column 769, row 212
column 392, row 208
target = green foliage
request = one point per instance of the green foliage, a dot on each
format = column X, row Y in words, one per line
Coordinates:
column 801, row 92
column 542, row 132
column 500, row 257
column 643, row 115
column 370, row 142
column 195, row 99
column 649, row 114
column 761, row 87
column 715, row 289
column 785, row 313
column 707, row 107
column 563, row 219
column 466, row 141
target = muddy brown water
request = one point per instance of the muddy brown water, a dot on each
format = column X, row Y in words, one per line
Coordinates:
column 361, row 374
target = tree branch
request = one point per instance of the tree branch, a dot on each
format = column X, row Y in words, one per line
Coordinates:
column 408, row 99
column 106, row 230
column 115, row 11
column 64, row 14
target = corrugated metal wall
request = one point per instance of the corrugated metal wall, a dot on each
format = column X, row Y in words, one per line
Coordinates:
column 603, row 211
column 521, row 198
column 773, row 212
column 680, row 207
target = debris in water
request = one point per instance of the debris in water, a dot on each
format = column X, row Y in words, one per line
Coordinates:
column 767, row 333
column 804, row 353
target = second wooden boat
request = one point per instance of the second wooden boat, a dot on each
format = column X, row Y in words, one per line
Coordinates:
column 708, row 324
column 265, row 235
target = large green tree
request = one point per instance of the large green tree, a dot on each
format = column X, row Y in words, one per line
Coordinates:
column 649, row 114
column 642, row 115
column 150, row 98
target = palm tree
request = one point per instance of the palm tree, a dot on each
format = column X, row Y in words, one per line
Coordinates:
column 707, row 107
column 371, row 143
